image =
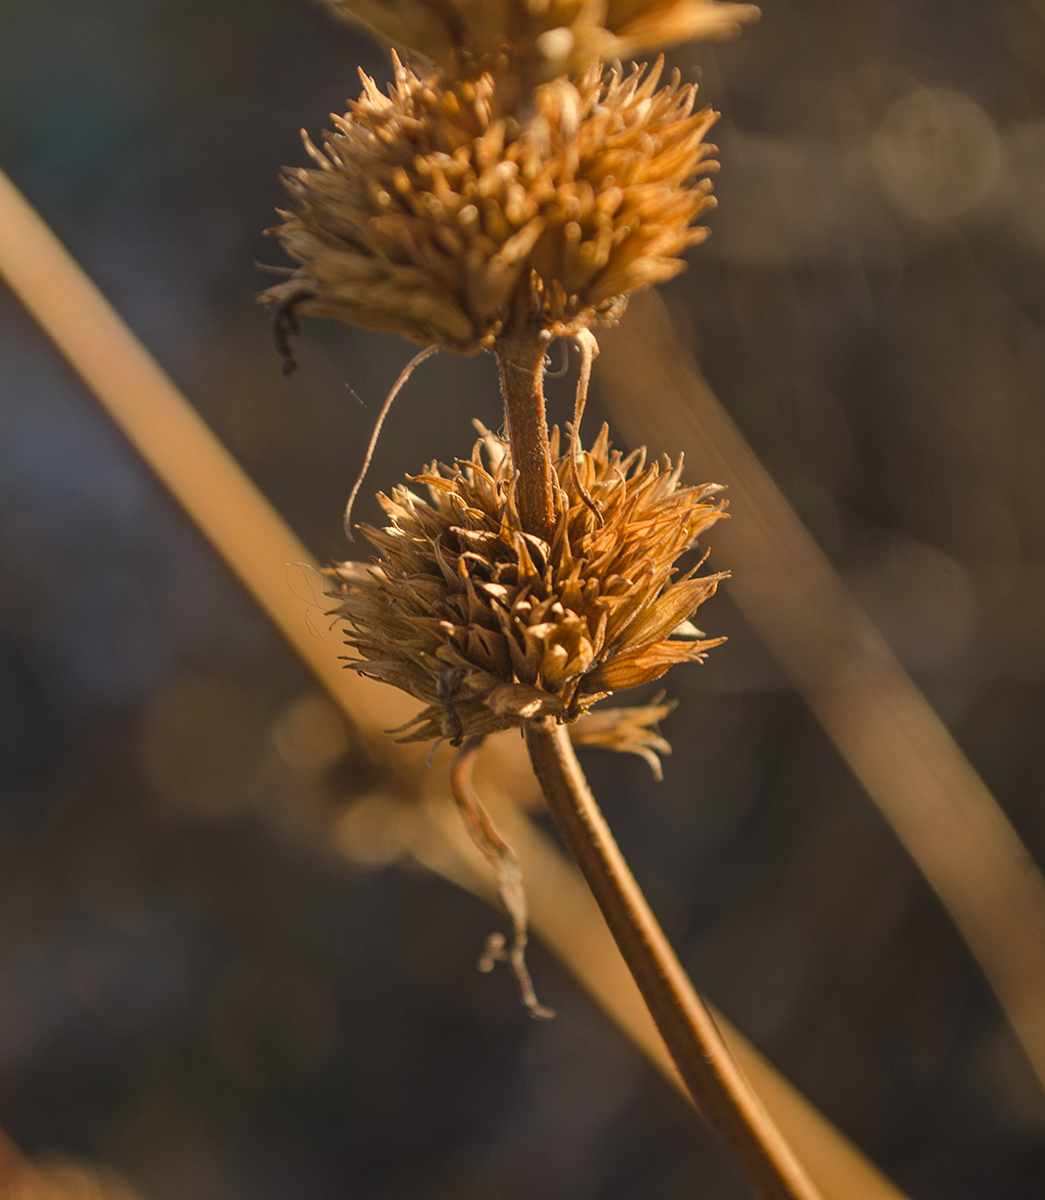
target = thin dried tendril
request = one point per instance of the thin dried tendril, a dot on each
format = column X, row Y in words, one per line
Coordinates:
column 507, row 873
column 397, row 387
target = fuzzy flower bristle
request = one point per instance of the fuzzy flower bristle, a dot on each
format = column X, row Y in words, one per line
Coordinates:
column 490, row 627
column 433, row 214
column 540, row 38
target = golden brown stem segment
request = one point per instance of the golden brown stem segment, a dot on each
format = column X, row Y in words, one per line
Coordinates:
column 520, row 355
column 714, row 1080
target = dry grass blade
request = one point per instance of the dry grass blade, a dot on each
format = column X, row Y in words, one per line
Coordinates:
column 21, row 1179
column 12, row 1165
column 171, row 437
column 895, row 744
column 253, row 539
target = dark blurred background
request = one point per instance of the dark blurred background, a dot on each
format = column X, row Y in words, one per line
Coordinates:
column 196, row 989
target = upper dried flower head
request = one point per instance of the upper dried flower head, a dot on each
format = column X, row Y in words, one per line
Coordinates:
column 490, row 627
column 540, row 38
column 433, row 214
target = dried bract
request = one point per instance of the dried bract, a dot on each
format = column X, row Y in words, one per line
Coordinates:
column 430, row 213
column 627, row 730
column 491, row 627
column 540, row 38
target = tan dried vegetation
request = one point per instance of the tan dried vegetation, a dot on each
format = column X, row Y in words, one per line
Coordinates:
column 491, row 627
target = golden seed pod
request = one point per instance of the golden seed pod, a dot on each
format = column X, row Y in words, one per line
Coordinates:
column 430, row 213
column 540, row 39
column 490, row 627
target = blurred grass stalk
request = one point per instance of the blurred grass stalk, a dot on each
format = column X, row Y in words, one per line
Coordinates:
column 12, row 1166
column 62, row 1179
column 258, row 546
column 880, row 722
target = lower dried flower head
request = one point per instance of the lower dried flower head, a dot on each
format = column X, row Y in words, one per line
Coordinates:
column 541, row 38
column 432, row 214
column 490, row 627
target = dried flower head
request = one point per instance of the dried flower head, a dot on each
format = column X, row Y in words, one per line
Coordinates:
column 491, row 627
column 432, row 214
column 540, row 38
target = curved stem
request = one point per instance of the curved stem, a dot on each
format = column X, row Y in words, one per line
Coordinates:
column 520, row 356
column 714, row 1080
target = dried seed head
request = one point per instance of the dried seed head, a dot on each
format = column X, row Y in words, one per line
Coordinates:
column 491, row 627
column 430, row 213
column 540, row 38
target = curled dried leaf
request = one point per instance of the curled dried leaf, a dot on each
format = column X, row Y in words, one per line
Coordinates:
column 507, row 874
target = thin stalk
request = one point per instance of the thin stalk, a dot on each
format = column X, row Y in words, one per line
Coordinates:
column 520, row 355
column 714, row 1080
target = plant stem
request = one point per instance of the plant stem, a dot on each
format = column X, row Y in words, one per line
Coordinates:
column 520, row 355
column 714, row 1080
